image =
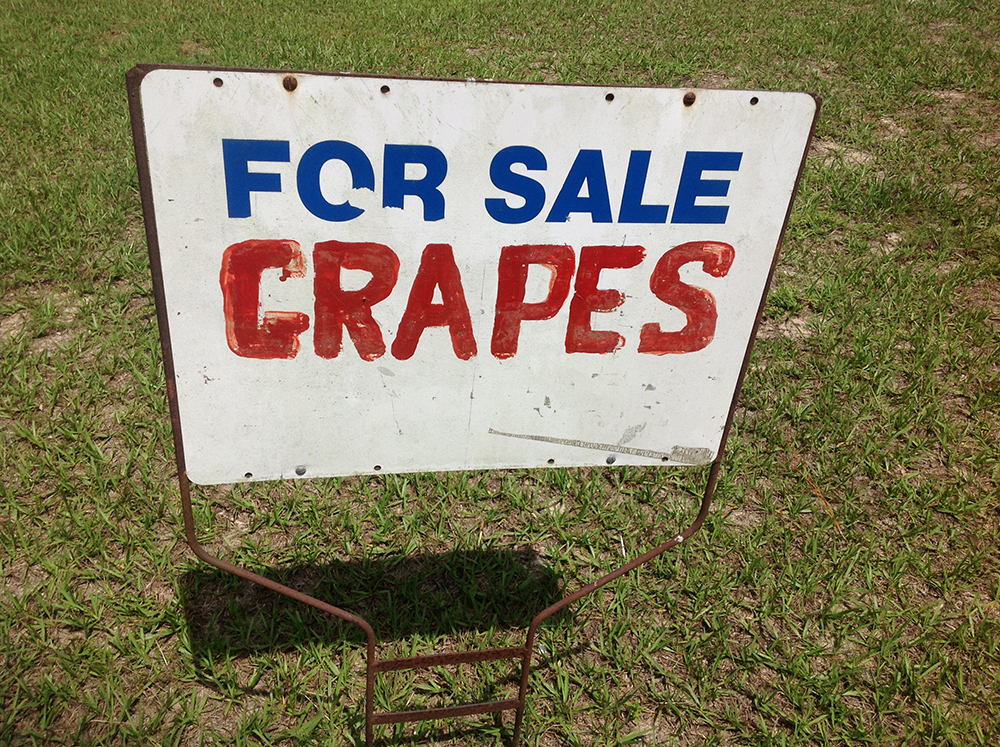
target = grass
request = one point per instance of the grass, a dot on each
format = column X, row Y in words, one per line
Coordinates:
column 845, row 589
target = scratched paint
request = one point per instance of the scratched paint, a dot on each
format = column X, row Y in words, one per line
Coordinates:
column 254, row 333
column 249, row 332
column 459, row 275
column 697, row 304
column 511, row 309
column 439, row 272
column 338, row 309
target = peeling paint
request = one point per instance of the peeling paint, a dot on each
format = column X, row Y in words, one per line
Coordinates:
column 630, row 433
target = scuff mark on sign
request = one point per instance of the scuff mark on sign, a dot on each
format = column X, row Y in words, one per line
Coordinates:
column 630, row 433
column 393, row 395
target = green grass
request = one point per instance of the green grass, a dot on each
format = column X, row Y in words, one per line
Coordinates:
column 845, row 589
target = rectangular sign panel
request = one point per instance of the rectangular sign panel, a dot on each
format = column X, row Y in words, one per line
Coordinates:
column 365, row 275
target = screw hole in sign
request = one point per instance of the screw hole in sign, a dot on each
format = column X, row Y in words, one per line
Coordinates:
column 384, row 89
column 610, row 97
column 248, row 475
column 753, row 101
column 289, row 83
column 552, row 461
column 378, row 467
column 217, row 82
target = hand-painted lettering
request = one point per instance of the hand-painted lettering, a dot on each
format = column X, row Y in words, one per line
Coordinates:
column 588, row 298
column 512, row 272
column 337, row 308
column 697, row 304
column 252, row 333
column 437, row 270
column 275, row 334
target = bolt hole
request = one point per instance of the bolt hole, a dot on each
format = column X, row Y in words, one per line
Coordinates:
column 300, row 470
column 248, row 475
column 384, row 89
column 289, row 83
column 378, row 467
column 609, row 97
column 664, row 459
column 689, row 98
column 551, row 461
column 218, row 82
column 753, row 101
column 610, row 459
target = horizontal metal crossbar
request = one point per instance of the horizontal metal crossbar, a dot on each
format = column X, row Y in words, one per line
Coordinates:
column 430, row 714
column 450, row 659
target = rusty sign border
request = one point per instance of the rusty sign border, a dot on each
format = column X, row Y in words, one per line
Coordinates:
column 375, row 665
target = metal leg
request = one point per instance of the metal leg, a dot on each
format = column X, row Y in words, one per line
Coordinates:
column 706, row 503
column 376, row 666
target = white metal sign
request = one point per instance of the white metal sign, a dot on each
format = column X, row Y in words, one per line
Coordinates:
column 364, row 274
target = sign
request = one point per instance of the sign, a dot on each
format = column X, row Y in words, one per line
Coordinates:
column 365, row 275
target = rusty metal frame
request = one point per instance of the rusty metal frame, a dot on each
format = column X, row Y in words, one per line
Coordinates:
column 375, row 665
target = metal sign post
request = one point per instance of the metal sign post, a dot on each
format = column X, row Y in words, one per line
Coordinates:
column 358, row 275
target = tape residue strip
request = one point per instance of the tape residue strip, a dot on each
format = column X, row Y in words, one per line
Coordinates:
column 679, row 454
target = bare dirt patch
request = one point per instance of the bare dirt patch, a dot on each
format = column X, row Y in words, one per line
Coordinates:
column 12, row 324
column 888, row 243
column 975, row 117
column 988, row 139
column 830, row 152
column 950, row 97
column 892, row 129
column 746, row 517
column 22, row 579
column 52, row 343
column 716, row 80
column 194, row 49
column 938, row 31
column 793, row 328
column 824, row 69
column 56, row 312
column 985, row 294
column 134, row 231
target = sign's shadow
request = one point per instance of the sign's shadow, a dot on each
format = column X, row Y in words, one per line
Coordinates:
column 400, row 596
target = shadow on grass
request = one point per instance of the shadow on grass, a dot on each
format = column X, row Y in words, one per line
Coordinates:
column 401, row 597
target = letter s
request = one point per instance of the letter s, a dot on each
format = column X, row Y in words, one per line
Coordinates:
column 697, row 303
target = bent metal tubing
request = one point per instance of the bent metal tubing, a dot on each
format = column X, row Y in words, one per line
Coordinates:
column 203, row 554
column 374, row 665
column 529, row 645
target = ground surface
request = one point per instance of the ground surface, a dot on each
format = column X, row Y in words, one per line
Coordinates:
column 843, row 591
